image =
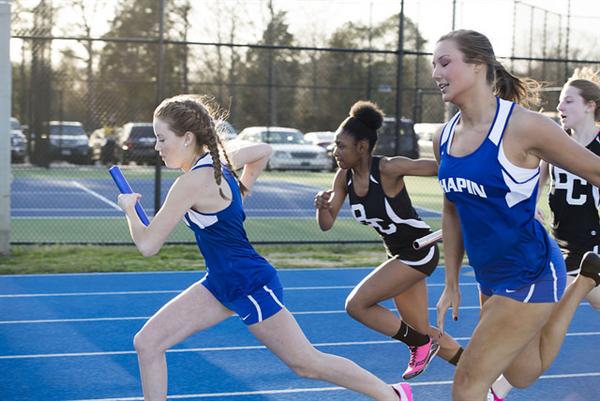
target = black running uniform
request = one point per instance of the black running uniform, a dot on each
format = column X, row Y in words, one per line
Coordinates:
column 395, row 220
column 574, row 204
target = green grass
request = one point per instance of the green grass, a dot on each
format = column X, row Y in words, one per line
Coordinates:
column 115, row 231
column 36, row 259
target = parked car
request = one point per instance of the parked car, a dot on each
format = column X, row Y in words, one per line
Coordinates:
column 425, row 133
column 225, row 130
column 320, row 138
column 136, row 143
column 18, row 142
column 405, row 145
column 103, row 142
column 330, row 149
column 68, row 141
column 290, row 150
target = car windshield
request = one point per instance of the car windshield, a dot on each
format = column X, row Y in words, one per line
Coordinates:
column 325, row 136
column 14, row 124
column 66, row 130
column 283, row 137
column 142, row 132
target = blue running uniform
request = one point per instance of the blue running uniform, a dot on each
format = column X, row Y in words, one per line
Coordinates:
column 237, row 275
column 507, row 247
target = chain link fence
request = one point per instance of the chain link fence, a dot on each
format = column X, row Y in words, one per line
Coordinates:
column 88, row 74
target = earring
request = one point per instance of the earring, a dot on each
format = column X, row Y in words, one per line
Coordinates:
column 185, row 144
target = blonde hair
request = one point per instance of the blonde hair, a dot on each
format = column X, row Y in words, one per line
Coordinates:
column 588, row 82
column 195, row 114
column 477, row 49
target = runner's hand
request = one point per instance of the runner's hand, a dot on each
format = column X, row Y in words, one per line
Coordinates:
column 323, row 199
column 127, row 201
column 449, row 298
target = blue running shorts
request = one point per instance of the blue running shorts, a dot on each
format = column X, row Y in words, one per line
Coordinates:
column 548, row 288
column 258, row 305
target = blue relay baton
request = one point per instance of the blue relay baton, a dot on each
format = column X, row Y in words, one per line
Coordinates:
column 125, row 188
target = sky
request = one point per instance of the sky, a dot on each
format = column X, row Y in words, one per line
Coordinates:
column 434, row 17
column 494, row 18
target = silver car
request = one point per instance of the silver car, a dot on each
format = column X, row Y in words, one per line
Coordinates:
column 18, row 142
column 290, row 150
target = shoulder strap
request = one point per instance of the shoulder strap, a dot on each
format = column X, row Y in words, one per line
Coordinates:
column 503, row 113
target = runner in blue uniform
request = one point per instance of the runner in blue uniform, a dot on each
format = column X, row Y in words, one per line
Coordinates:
column 574, row 201
column 208, row 196
column 378, row 198
column 489, row 156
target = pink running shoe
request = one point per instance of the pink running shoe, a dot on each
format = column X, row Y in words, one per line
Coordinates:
column 420, row 358
column 492, row 396
column 404, row 391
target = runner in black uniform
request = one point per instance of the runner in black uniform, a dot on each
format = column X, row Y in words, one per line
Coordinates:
column 394, row 218
column 574, row 201
column 379, row 198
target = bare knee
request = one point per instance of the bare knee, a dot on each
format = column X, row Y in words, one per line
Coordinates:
column 307, row 367
column 466, row 385
column 145, row 343
column 354, row 307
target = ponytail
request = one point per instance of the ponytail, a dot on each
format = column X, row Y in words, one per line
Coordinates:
column 524, row 91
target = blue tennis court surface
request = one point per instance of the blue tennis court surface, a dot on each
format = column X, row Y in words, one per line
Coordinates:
column 69, row 337
column 97, row 198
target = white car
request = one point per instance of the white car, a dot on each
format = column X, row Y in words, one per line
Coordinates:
column 320, row 138
column 290, row 150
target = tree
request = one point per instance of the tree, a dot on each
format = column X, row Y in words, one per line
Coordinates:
column 270, row 77
column 128, row 70
column 345, row 76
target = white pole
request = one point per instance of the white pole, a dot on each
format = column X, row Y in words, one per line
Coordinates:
column 5, row 108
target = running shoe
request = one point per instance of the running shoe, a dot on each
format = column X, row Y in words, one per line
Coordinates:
column 420, row 356
column 404, row 391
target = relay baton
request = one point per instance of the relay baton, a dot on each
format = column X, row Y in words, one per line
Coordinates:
column 428, row 239
column 124, row 187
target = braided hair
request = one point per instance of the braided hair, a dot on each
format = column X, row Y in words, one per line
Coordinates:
column 192, row 113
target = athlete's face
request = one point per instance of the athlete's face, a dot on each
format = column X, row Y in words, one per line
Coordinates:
column 450, row 72
column 347, row 150
column 573, row 108
column 172, row 148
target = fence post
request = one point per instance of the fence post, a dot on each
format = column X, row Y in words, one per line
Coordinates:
column 159, row 95
column 5, row 109
column 399, row 80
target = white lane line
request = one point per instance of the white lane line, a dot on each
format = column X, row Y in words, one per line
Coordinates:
column 237, row 348
column 61, row 210
column 320, row 389
column 126, row 318
column 108, row 319
column 96, row 195
column 83, row 294
column 104, row 293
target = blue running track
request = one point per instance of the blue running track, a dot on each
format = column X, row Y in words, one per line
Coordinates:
column 69, row 337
